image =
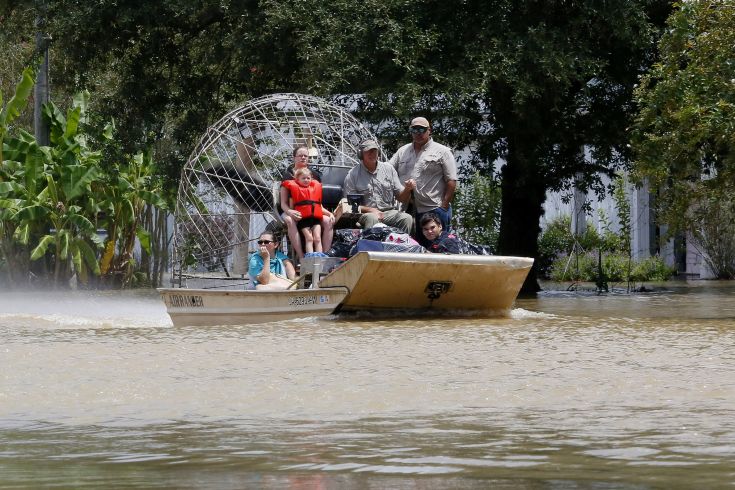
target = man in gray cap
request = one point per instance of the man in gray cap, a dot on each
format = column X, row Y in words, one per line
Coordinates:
column 431, row 169
column 379, row 185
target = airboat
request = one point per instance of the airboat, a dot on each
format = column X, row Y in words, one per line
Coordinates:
column 228, row 195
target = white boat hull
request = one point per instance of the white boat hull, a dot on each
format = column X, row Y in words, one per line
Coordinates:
column 205, row 307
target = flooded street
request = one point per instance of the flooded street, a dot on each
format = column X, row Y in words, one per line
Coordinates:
column 572, row 391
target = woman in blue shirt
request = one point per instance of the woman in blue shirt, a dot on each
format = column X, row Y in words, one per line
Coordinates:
column 280, row 272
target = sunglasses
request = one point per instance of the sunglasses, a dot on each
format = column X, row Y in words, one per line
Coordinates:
column 265, row 242
column 417, row 130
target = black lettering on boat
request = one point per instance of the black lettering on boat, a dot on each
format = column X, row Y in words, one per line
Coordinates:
column 434, row 289
column 304, row 300
column 185, row 301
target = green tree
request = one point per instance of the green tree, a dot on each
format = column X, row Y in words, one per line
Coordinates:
column 530, row 81
column 54, row 198
column 167, row 69
column 53, row 203
column 684, row 135
column 9, row 113
column 477, row 210
column 17, row 48
column 622, row 204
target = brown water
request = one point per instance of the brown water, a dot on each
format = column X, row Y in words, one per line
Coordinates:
column 572, row 391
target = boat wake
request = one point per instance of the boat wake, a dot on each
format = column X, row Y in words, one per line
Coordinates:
column 76, row 310
column 520, row 314
column 420, row 313
column 60, row 321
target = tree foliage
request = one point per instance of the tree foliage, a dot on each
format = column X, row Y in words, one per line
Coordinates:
column 529, row 81
column 17, row 48
column 684, row 135
column 686, row 125
column 165, row 70
column 55, row 198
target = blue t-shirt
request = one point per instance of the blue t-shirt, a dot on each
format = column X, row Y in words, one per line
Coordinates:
column 276, row 265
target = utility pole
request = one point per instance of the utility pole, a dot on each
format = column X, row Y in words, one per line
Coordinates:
column 41, row 89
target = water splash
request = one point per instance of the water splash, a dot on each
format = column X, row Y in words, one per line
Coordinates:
column 81, row 309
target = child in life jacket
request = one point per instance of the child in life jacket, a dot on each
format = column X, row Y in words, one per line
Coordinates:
column 306, row 194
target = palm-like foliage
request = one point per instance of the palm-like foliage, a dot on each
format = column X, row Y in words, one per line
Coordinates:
column 127, row 191
column 51, row 194
column 8, row 185
column 54, row 198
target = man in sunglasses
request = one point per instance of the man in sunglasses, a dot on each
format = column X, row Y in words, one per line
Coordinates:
column 431, row 169
column 279, row 273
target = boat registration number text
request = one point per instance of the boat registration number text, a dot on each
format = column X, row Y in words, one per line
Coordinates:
column 308, row 300
column 185, row 301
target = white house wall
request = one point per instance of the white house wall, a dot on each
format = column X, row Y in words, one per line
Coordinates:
column 641, row 239
column 569, row 204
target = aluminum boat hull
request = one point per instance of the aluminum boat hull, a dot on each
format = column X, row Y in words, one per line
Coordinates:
column 424, row 284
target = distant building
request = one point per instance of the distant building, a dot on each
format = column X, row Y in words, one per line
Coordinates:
column 646, row 232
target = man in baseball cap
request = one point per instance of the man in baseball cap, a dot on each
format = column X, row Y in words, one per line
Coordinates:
column 369, row 145
column 421, row 122
column 380, row 187
column 429, row 167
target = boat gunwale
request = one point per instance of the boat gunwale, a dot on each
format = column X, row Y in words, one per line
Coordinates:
column 253, row 292
column 459, row 259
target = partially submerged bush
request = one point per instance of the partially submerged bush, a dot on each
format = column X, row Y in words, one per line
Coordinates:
column 557, row 240
column 561, row 260
column 712, row 229
column 614, row 267
column 651, row 269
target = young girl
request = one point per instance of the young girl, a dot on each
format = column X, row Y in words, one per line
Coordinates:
column 306, row 194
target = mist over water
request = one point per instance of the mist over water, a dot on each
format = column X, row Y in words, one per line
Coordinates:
column 573, row 390
column 72, row 309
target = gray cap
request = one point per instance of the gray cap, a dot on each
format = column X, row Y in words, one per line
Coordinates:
column 419, row 121
column 369, row 145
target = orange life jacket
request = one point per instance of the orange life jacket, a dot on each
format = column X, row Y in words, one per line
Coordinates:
column 306, row 200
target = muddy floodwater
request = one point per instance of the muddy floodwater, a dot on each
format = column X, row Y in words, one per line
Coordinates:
column 573, row 390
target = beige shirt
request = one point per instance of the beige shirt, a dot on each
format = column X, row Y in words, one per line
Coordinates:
column 431, row 168
column 379, row 189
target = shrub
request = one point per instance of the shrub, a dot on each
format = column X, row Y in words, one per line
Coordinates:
column 712, row 228
column 477, row 210
column 576, row 268
column 614, row 266
column 651, row 269
column 557, row 240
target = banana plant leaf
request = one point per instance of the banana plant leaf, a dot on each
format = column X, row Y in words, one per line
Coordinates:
column 42, row 246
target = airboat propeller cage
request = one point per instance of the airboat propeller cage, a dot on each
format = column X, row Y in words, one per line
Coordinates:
column 229, row 186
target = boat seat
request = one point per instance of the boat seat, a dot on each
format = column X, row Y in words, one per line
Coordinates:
column 333, row 178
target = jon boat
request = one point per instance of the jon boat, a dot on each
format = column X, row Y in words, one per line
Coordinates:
column 378, row 282
column 208, row 307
